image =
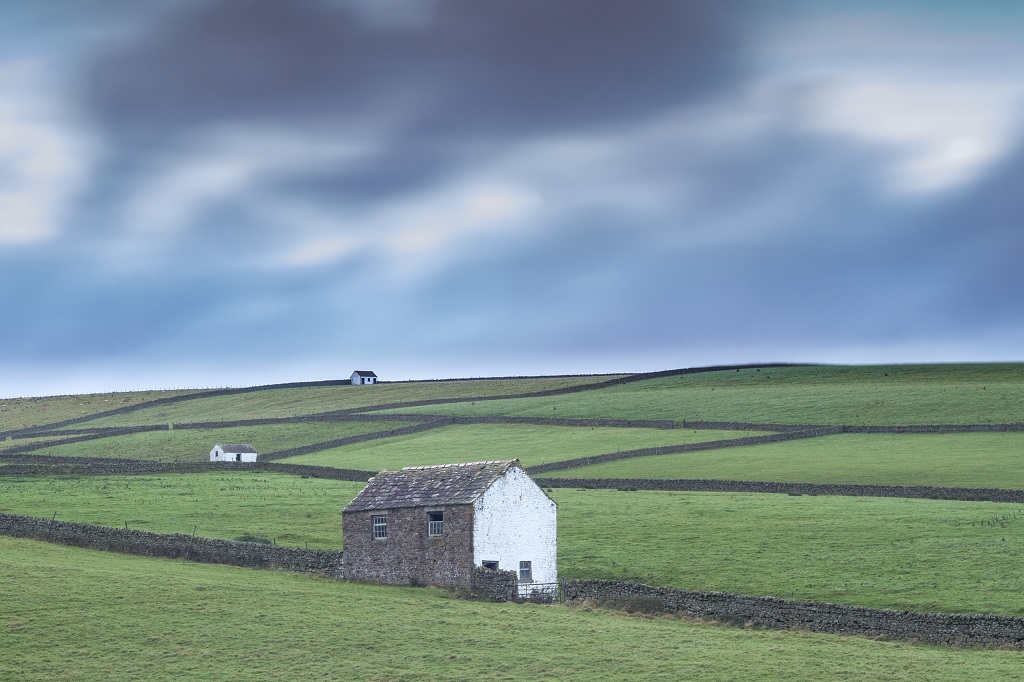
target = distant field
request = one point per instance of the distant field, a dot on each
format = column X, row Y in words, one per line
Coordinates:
column 925, row 555
column 984, row 460
column 475, row 442
column 20, row 442
column 122, row 617
column 195, row 444
column 289, row 509
column 912, row 394
column 18, row 413
column 290, row 402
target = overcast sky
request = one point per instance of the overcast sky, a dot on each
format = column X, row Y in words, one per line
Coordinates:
column 236, row 192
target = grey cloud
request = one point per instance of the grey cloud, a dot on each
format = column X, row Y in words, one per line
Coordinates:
column 483, row 71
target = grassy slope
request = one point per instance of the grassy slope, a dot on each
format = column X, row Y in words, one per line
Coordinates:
column 290, row 509
column 964, row 459
column 925, row 555
column 474, row 442
column 118, row 617
column 918, row 554
column 18, row 413
column 195, row 444
column 290, row 402
column 915, row 394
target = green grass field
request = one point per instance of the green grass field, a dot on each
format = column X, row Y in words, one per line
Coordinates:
column 289, row 509
column 290, row 402
column 19, row 413
column 195, row 444
column 529, row 443
column 912, row 394
column 984, row 460
column 73, row 614
column 925, row 555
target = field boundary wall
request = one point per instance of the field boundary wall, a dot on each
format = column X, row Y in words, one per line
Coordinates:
column 176, row 546
column 685, row 447
column 781, row 487
column 783, row 614
column 45, row 465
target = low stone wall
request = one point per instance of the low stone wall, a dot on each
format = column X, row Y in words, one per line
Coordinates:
column 496, row 585
column 44, row 465
column 783, row 614
column 674, row 449
column 177, row 546
column 359, row 438
column 844, row 489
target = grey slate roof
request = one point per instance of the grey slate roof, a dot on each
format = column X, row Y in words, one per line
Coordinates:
column 427, row 486
column 364, row 373
column 235, row 447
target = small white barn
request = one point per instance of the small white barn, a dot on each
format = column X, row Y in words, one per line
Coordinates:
column 436, row 525
column 232, row 452
column 362, row 377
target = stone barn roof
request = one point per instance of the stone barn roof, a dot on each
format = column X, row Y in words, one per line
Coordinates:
column 234, row 447
column 425, row 486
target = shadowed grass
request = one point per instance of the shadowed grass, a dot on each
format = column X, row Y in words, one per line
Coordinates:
column 91, row 616
column 983, row 460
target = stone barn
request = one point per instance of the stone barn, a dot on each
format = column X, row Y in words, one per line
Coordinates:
column 436, row 525
column 362, row 377
column 232, row 452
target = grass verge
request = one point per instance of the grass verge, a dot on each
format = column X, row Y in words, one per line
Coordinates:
column 82, row 615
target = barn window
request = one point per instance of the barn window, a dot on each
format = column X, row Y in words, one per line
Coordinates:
column 380, row 527
column 525, row 572
column 493, row 565
column 435, row 523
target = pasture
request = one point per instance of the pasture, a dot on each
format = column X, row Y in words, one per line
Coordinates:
column 168, row 620
column 884, row 395
column 532, row 444
column 970, row 460
column 195, row 444
column 296, row 401
column 924, row 555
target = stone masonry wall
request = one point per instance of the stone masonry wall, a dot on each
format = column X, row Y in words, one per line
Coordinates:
column 782, row 614
column 497, row 585
column 782, row 487
column 176, row 546
column 408, row 556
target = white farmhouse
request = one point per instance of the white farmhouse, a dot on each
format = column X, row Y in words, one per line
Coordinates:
column 362, row 377
column 435, row 525
column 232, row 452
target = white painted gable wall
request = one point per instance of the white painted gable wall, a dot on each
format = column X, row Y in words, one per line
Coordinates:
column 515, row 521
column 218, row 455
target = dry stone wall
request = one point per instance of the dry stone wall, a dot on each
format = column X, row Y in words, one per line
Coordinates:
column 176, row 546
column 783, row 614
column 724, row 486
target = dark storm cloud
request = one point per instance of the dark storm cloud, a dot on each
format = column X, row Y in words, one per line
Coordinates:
column 483, row 69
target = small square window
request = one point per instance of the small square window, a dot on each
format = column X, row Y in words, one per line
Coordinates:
column 525, row 572
column 435, row 523
column 380, row 527
column 492, row 565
